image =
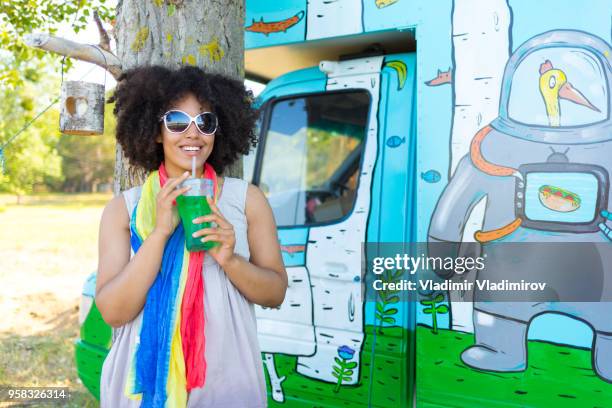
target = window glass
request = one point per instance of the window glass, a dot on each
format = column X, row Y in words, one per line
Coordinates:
column 559, row 86
column 248, row 160
column 312, row 154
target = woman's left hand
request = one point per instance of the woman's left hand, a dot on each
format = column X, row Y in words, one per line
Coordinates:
column 223, row 234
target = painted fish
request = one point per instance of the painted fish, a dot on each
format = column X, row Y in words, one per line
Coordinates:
column 395, row 141
column 274, row 26
column 431, row 176
column 444, row 77
column 292, row 249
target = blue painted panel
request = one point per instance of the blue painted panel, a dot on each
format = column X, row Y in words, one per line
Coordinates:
column 392, row 208
column 530, row 18
column 293, row 245
column 388, row 14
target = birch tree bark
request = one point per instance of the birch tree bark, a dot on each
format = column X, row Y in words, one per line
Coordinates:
column 205, row 33
column 481, row 48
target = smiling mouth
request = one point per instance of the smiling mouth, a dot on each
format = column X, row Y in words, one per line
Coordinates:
column 191, row 149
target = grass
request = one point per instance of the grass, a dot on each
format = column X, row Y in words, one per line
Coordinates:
column 48, row 246
column 556, row 376
column 382, row 381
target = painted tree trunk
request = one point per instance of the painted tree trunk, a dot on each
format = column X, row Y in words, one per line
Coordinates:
column 481, row 47
column 333, row 18
column 206, row 33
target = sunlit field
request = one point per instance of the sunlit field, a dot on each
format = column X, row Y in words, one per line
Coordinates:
column 48, row 246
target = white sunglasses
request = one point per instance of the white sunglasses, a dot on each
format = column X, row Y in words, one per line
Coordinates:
column 177, row 121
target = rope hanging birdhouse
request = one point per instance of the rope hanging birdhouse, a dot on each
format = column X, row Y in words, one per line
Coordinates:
column 82, row 108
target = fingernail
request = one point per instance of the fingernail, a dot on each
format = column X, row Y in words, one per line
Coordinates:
column 193, row 235
column 203, row 240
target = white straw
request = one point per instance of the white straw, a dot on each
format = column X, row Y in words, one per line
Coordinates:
column 193, row 173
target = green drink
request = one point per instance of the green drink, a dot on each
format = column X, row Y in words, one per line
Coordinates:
column 192, row 204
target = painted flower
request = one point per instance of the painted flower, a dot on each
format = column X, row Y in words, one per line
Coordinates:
column 345, row 352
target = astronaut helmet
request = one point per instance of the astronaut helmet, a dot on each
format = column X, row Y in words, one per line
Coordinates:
column 556, row 89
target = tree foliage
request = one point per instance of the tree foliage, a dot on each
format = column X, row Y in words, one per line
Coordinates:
column 31, row 158
column 88, row 161
column 29, row 81
column 19, row 17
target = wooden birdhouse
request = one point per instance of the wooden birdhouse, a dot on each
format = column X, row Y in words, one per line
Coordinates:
column 82, row 108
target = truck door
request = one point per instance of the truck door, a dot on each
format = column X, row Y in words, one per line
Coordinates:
column 389, row 321
column 315, row 164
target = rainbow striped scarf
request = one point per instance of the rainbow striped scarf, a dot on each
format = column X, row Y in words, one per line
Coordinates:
column 168, row 361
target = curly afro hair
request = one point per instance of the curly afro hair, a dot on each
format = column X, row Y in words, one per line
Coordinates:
column 144, row 94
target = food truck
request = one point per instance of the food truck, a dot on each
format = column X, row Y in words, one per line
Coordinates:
column 412, row 121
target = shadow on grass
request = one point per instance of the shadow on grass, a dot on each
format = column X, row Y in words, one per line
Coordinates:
column 45, row 359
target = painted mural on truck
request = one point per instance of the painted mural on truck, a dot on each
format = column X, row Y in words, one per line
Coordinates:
column 321, row 338
column 294, row 21
column 502, row 85
column 529, row 162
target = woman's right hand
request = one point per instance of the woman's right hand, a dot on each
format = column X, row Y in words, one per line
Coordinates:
column 167, row 217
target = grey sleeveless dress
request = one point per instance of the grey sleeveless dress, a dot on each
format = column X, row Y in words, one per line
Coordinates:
column 234, row 374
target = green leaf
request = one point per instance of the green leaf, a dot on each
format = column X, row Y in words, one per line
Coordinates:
column 389, row 320
column 335, row 375
column 442, row 309
column 380, row 308
column 426, row 302
column 337, row 369
column 339, row 362
column 439, row 298
column 391, row 311
column 351, row 365
column 346, row 378
column 348, row 372
column 428, row 310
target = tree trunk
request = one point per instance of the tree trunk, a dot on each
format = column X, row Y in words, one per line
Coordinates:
column 205, row 33
column 481, row 47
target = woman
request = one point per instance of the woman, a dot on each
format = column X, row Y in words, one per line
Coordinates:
column 184, row 325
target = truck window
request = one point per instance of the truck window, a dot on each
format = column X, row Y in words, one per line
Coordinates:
column 313, row 148
column 248, row 160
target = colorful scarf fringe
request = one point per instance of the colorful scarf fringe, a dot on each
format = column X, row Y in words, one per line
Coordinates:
column 168, row 361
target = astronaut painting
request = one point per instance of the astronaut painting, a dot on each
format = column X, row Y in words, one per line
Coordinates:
column 544, row 167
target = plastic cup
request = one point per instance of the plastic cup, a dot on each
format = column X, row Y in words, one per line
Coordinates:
column 192, row 204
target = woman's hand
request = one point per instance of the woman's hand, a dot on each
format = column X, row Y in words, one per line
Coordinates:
column 223, row 234
column 167, row 217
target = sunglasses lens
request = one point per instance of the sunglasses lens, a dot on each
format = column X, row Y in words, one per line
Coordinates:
column 177, row 121
column 207, row 122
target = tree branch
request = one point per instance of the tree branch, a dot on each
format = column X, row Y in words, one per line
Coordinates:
column 104, row 38
column 83, row 52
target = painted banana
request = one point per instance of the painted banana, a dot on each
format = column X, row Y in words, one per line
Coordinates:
column 384, row 3
column 401, row 69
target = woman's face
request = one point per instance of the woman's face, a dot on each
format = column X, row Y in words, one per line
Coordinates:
column 180, row 148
